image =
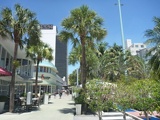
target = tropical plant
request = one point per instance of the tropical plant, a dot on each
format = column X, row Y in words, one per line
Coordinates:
column 82, row 27
column 153, row 43
column 39, row 53
column 135, row 66
column 73, row 78
column 92, row 62
column 113, row 63
column 146, row 96
column 17, row 25
column 141, row 95
column 123, row 97
column 99, row 96
column 101, row 50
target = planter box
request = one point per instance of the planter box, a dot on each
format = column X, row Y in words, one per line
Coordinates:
column 1, row 106
column 78, row 109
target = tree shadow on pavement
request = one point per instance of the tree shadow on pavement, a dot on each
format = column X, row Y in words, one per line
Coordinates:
column 67, row 110
column 71, row 103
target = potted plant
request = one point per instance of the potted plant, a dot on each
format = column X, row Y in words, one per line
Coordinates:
column 79, row 100
column 3, row 99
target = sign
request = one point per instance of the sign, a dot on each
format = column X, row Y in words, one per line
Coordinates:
column 47, row 26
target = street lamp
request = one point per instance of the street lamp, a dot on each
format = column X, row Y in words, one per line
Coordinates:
column 121, row 24
column 122, row 33
column 77, row 78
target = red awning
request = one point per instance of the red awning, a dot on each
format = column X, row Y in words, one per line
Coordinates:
column 4, row 72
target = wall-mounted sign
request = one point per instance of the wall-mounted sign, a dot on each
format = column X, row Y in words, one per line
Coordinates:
column 47, row 26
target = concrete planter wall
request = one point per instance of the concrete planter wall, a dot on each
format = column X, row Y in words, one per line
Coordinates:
column 1, row 106
column 46, row 97
column 78, row 109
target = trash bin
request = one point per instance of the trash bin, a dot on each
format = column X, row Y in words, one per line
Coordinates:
column 78, row 109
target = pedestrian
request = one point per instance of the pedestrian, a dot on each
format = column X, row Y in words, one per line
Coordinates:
column 67, row 91
column 60, row 94
column 54, row 94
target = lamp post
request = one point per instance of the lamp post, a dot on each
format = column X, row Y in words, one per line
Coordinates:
column 77, row 78
column 121, row 24
column 122, row 32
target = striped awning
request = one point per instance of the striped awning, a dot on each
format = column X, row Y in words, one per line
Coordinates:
column 4, row 72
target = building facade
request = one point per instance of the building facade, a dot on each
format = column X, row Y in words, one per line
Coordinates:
column 61, row 60
column 25, row 73
column 134, row 48
column 49, row 36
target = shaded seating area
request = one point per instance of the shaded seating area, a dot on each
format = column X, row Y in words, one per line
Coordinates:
column 27, row 103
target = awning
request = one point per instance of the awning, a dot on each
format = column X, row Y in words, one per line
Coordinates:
column 4, row 72
column 34, row 80
column 45, row 82
column 8, row 78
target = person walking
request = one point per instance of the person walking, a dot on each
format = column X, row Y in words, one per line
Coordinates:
column 60, row 93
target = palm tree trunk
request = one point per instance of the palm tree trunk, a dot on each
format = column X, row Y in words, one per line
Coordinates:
column 36, row 81
column 12, row 85
column 83, row 74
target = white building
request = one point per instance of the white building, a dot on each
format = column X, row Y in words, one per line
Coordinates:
column 48, row 36
column 26, row 71
column 134, row 48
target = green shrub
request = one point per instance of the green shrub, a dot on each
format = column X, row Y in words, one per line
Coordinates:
column 80, row 99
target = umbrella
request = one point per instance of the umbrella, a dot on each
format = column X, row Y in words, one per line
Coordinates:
column 4, row 72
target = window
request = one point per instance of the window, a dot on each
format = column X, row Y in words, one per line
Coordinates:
column 142, row 46
column 41, row 69
column 45, row 70
column 136, row 46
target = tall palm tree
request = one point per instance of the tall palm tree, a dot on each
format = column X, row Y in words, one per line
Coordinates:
column 17, row 25
column 153, row 36
column 82, row 27
column 38, row 53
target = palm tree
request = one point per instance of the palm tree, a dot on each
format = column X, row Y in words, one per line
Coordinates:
column 92, row 61
column 101, row 48
column 38, row 53
column 136, row 66
column 101, row 51
column 153, row 36
column 17, row 26
column 113, row 63
column 82, row 27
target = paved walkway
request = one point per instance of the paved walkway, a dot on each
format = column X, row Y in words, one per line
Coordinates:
column 57, row 109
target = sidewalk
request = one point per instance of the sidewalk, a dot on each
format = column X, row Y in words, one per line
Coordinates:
column 57, row 109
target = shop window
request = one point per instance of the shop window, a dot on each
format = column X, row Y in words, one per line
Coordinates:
column 41, row 69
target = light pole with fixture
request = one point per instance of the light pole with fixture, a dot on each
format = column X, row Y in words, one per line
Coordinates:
column 121, row 24
column 77, row 78
column 122, row 32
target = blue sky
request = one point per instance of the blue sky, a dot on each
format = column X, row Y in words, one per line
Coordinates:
column 137, row 15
